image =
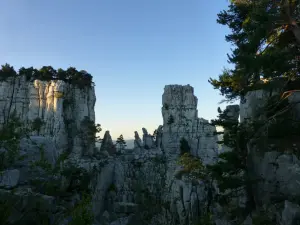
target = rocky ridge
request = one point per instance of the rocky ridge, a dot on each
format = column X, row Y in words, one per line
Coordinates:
column 144, row 185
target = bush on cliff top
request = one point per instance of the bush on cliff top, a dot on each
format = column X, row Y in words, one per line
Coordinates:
column 46, row 73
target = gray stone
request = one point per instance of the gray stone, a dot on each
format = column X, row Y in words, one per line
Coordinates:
column 180, row 103
column 59, row 105
column 137, row 140
column 290, row 214
column 107, row 144
column 9, row 178
column 148, row 141
column 31, row 150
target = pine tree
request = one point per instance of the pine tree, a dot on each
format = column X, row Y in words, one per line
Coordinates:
column 231, row 169
column 266, row 44
column 121, row 143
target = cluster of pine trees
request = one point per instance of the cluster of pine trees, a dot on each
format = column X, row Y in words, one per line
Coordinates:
column 266, row 39
column 46, row 73
column 266, row 36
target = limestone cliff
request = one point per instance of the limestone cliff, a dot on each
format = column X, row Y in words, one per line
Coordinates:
column 275, row 164
column 60, row 108
column 147, row 182
column 180, row 120
column 145, row 185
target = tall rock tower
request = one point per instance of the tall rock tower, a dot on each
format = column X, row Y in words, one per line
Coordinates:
column 180, row 120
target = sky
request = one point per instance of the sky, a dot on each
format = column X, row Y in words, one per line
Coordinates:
column 133, row 48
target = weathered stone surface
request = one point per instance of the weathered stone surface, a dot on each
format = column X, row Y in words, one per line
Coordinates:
column 232, row 114
column 280, row 174
column 61, row 114
column 290, row 214
column 252, row 104
column 148, row 141
column 28, row 205
column 180, row 104
column 126, row 186
column 9, row 178
column 31, row 151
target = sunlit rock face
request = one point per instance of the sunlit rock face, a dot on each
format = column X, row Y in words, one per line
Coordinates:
column 61, row 107
column 180, row 120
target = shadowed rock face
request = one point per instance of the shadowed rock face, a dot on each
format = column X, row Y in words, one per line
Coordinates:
column 147, row 179
column 148, row 141
column 137, row 140
column 107, row 144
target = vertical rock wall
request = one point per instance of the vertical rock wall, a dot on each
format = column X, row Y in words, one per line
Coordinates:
column 180, row 120
column 60, row 106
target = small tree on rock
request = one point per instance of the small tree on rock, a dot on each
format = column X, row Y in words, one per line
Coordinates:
column 121, row 143
column 170, row 120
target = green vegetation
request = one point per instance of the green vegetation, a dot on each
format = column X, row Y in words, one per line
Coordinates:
column 58, row 94
column 72, row 76
column 192, row 166
column 121, row 143
column 90, row 130
column 112, row 187
column 170, row 120
column 166, row 106
column 7, row 71
column 37, row 124
column 82, row 213
column 264, row 34
column 11, row 133
column 266, row 45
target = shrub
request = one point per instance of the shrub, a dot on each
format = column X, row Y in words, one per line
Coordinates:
column 80, row 79
column 37, row 124
column 90, row 130
column 166, row 106
column 170, row 120
column 82, row 213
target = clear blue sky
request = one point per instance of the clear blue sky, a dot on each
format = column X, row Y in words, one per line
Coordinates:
column 133, row 48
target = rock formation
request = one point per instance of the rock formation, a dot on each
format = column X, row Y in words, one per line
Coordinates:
column 232, row 114
column 148, row 141
column 137, row 140
column 180, row 120
column 107, row 144
column 150, row 180
column 139, row 186
column 61, row 108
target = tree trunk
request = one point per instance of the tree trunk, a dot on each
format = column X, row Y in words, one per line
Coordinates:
column 287, row 10
column 296, row 31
